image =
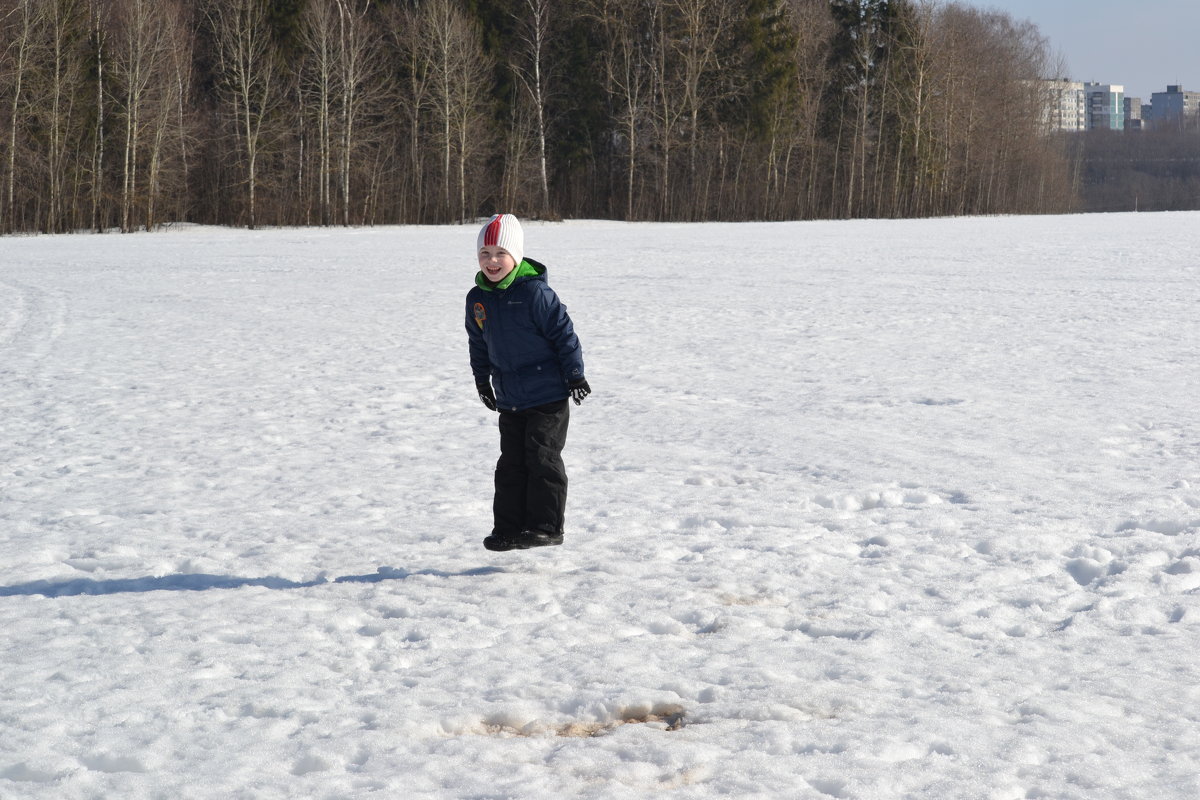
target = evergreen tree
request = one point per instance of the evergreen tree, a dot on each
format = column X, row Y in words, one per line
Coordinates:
column 284, row 17
column 768, row 62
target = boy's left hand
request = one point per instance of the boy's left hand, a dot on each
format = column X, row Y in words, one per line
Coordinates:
column 579, row 390
column 486, row 395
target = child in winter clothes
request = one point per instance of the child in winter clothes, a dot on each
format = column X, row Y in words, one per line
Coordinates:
column 527, row 363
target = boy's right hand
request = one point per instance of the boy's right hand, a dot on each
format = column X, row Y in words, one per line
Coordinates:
column 579, row 389
column 486, row 395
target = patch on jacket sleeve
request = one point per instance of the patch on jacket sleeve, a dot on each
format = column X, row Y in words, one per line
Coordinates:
column 480, row 315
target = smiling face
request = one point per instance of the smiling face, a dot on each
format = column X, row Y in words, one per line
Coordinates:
column 495, row 263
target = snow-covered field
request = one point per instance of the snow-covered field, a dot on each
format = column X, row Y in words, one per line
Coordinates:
column 858, row 510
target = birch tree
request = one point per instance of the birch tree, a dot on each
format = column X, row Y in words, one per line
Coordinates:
column 626, row 68
column 668, row 104
column 251, row 85
column 98, row 24
column 56, row 109
column 413, row 100
column 535, row 75
column 361, row 71
column 19, row 54
column 702, row 27
column 459, row 77
column 144, row 42
column 167, row 120
column 317, row 89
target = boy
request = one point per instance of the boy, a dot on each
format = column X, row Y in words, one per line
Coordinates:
column 527, row 362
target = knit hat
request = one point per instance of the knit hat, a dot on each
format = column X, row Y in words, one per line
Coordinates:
column 503, row 230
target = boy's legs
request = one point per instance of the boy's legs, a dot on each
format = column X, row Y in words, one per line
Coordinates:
column 508, row 505
column 531, row 479
column 546, row 479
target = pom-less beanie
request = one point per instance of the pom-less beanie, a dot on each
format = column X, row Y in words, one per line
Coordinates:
column 503, row 230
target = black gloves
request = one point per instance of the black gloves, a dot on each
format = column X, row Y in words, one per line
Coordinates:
column 486, row 395
column 579, row 390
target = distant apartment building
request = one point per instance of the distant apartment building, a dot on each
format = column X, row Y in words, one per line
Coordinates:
column 1174, row 105
column 1065, row 106
column 1105, row 106
column 1133, row 114
column 1071, row 106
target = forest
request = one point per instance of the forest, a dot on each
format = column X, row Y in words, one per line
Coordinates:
column 1152, row 170
column 127, row 114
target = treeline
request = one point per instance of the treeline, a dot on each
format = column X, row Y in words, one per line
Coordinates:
column 128, row 113
column 1152, row 170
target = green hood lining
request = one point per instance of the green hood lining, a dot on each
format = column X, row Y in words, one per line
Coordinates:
column 522, row 270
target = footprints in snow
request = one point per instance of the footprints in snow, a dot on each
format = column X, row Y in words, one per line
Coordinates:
column 1142, row 564
column 33, row 318
column 1148, row 547
column 896, row 496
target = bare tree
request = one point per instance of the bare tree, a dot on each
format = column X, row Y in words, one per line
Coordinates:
column 146, row 35
column 251, row 83
column 668, row 109
column 414, row 101
column 459, row 77
column 61, row 85
column 317, row 89
column 362, row 83
column 342, row 77
column 702, row 27
column 531, row 66
column 19, row 53
column 166, row 120
column 813, row 28
column 626, row 69
column 98, row 25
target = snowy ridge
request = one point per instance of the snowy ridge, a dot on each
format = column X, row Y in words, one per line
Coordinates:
column 858, row 510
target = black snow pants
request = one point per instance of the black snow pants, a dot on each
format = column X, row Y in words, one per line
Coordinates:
column 531, row 479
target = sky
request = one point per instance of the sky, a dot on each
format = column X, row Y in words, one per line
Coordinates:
column 1143, row 46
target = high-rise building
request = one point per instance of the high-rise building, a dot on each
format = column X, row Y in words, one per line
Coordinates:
column 1065, row 109
column 1133, row 113
column 1105, row 106
column 1174, row 105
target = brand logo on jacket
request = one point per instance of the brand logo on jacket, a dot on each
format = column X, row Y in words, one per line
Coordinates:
column 480, row 315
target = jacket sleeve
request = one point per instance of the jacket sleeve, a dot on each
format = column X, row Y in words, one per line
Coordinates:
column 481, row 367
column 550, row 317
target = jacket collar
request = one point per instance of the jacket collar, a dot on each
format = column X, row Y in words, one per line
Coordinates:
column 526, row 269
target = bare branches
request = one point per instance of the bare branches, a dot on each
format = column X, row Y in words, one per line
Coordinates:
column 146, row 39
column 531, row 64
column 251, row 84
column 126, row 113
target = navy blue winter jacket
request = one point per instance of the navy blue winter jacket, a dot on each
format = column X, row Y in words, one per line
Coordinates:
column 522, row 339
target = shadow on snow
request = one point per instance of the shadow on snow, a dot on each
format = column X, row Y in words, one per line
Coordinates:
column 200, row 583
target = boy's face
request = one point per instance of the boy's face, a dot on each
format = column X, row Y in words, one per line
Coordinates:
column 495, row 263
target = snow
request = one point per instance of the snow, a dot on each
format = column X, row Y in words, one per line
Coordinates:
column 877, row 509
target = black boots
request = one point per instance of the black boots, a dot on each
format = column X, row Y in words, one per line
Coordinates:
column 522, row 541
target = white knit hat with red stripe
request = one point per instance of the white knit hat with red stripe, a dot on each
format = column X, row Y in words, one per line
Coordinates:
column 503, row 230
